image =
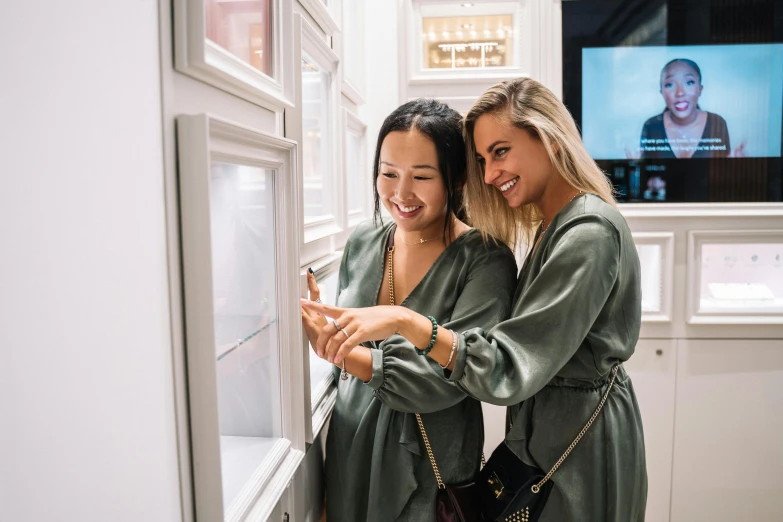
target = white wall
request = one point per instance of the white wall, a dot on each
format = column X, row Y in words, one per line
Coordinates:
column 87, row 430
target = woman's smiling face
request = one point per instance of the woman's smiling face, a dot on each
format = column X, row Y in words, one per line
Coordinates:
column 410, row 184
column 681, row 88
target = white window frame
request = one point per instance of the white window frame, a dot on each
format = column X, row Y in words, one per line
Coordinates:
column 202, row 139
column 318, row 238
column 321, row 399
column 665, row 241
column 526, row 32
column 354, row 125
column 326, row 16
column 697, row 238
column 204, row 60
column 353, row 87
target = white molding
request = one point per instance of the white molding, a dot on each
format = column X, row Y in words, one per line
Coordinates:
column 319, row 238
column 320, row 392
column 721, row 210
column 664, row 240
column 353, row 88
column 204, row 60
column 203, row 138
column 353, row 124
column 324, row 410
column 266, row 503
column 694, row 314
column 550, row 57
column 325, row 17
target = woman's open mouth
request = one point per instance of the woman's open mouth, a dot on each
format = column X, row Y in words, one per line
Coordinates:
column 682, row 106
column 507, row 186
column 408, row 211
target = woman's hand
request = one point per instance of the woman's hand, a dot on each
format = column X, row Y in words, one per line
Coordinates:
column 312, row 321
column 739, row 152
column 353, row 326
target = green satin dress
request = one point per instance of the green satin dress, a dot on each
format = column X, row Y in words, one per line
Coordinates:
column 377, row 469
column 576, row 314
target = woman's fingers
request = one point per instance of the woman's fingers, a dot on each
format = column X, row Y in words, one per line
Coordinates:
column 329, row 311
column 340, row 345
column 312, row 285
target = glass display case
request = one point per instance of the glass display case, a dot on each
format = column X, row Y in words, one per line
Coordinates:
column 238, row 247
column 317, row 125
column 236, row 46
column 244, row 29
column 317, row 142
column 737, row 276
column 357, row 170
column 656, row 257
column 467, row 42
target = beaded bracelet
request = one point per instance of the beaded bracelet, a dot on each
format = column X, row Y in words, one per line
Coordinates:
column 432, row 339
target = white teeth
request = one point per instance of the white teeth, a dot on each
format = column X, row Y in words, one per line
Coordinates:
column 508, row 185
column 407, row 210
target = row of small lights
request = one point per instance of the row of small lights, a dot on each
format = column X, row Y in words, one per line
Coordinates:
column 459, row 34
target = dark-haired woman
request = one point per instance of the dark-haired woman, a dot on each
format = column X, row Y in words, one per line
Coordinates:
column 683, row 129
column 377, row 467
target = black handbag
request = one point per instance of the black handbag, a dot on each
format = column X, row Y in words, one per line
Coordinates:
column 512, row 491
column 454, row 502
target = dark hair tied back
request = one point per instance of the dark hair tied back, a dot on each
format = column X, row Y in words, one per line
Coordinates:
column 443, row 125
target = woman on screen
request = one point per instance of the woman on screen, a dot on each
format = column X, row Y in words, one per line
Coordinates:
column 683, row 129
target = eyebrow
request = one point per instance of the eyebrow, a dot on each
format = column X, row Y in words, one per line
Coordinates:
column 414, row 167
column 672, row 76
column 494, row 144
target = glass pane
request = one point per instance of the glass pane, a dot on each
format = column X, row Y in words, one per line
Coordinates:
column 246, row 337
column 742, row 277
column 319, row 368
column 356, row 174
column 461, row 42
column 243, row 28
column 316, row 142
column 650, row 259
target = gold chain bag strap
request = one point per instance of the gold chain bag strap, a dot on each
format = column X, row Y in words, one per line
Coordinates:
column 514, row 491
column 453, row 503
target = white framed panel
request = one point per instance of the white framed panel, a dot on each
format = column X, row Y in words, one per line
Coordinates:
column 653, row 372
column 523, row 32
column 735, row 277
column 320, row 153
column 356, row 166
column 351, row 46
column 247, row 420
column 656, row 256
column 202, row 58
column 326, row 14
column 728, row 428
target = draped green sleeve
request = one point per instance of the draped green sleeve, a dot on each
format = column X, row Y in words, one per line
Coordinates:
column 510, row 362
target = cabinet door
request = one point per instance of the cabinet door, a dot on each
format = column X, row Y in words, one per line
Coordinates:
column 653, row 371
column 728, row 448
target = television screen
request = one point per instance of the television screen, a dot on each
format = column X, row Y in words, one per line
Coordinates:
column 677, row 100
column 682, row 102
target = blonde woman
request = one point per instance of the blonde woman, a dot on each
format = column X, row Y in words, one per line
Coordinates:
column 576, row 314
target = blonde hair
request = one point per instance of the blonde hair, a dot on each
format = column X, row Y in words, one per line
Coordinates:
column 530, row 106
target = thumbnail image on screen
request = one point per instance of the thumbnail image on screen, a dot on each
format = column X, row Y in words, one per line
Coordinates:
column 716, row 101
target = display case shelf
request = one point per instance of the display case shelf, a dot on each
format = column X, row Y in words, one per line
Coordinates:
column 736, row 277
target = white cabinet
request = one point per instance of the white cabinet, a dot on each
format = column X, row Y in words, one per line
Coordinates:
column 653, row 371
column 728, row 438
